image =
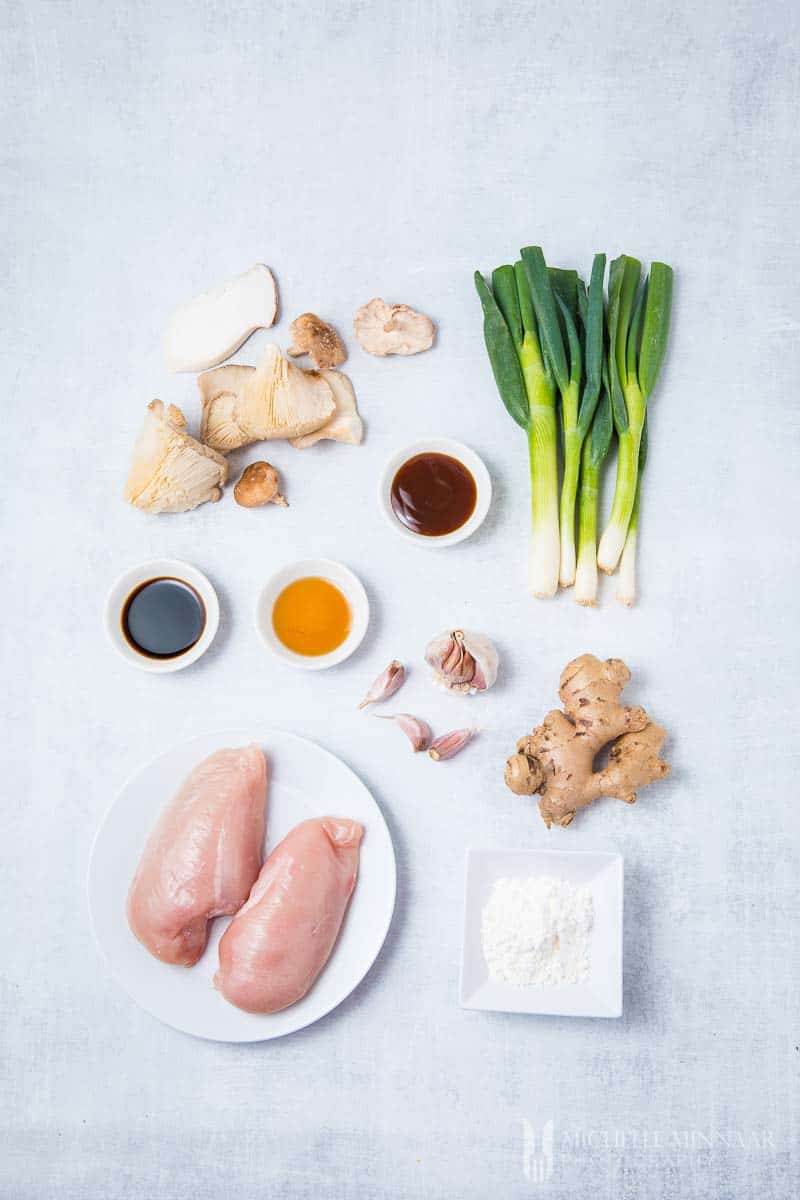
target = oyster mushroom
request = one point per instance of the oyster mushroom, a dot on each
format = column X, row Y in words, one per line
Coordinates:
column 383, row 329
column 345, row 425
column 171, row 471
column 318, row 340
column 241, row 405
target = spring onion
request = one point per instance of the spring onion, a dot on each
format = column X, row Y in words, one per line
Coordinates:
column 555, row 296
column 527, row 388
column 595, row 449
column 559, row 353
column 638, row 326
column 626, row 586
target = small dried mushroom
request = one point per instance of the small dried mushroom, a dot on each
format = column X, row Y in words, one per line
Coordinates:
column 259, row 484
column 319, row 340
column 383, row 329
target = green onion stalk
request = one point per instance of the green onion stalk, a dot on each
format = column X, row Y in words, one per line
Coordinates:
column 638, row 328
column 626, row 585
column 528, row 391
column 595, row 449
column 576, row 365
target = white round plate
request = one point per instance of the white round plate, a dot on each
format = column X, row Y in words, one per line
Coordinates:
column 339, row 575
column 469, row 459
column 304, row 781
column 160, row 568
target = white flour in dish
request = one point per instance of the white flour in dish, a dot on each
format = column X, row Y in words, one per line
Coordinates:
column 536, row 931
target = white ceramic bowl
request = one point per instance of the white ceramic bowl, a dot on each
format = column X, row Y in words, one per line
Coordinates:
column 468, row 458
column 129, row 581
column 348, row 584
column 600, row 994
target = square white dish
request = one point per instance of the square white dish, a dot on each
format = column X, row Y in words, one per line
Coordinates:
column 600, row 994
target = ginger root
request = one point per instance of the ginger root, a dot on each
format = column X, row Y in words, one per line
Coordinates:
column 557, row 759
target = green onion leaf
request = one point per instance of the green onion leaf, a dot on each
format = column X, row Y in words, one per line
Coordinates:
column 504, row 286
column 503, row 355
column 623, row 280
column 643, row 449
column 565, row 288
column 631, row 273
column 602, row 429
column 574, row 343
column 634, row 334
column 546, row 314
column 655, row 329
column 525, row 302
column 583, row 301
column 594, row 343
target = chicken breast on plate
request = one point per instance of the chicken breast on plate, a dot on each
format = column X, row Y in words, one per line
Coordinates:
column 277, row 944
column 202, row 857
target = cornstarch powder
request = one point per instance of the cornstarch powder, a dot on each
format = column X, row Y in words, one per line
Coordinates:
column 536, row 931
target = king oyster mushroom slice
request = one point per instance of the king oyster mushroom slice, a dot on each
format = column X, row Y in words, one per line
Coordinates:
column 345, row 425
column 383, row 329
column 318, row 340
column 212, row 326
column 276, row 399
column 171, row 471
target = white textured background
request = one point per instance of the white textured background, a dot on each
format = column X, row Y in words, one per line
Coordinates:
column 150, row 150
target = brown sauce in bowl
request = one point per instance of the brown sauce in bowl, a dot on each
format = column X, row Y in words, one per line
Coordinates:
column 433, row 494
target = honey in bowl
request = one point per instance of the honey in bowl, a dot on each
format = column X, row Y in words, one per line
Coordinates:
column 311, row 616
column 433, row 494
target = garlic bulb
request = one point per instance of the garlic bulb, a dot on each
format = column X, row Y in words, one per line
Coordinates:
column 463, row 661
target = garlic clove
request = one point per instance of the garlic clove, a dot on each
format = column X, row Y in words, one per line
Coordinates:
column 463, row 661
column 387, row 683
column 416, row 730
column 450, row 744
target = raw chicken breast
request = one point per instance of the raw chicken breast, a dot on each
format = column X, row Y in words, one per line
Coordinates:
column 276, row 946
column 202, row 857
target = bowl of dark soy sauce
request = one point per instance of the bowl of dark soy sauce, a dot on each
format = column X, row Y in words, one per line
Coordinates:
column 162, row 616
